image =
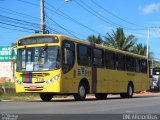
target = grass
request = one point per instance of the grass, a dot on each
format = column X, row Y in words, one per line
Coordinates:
column 19, row 96
column 25, row 96
column 7, row 84
column 11, row 95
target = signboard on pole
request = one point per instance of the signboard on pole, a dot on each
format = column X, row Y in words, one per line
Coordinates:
column 5, row 53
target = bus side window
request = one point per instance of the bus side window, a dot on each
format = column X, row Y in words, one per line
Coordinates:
column 143, row 65
column 98, row 58
column 137, row 65
column 68, row 55
column 131, row 64
column 110, row 59
column 84, row 55
column 120, row 58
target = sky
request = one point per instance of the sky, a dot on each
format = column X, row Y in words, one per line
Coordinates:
column 81, row 18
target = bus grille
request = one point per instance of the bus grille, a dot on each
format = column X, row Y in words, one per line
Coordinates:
column 37, row 89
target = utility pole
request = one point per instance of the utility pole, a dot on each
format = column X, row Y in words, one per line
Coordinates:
column 42, row 17
column 148, row 38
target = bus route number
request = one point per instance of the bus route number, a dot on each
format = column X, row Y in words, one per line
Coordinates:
column 40, row 79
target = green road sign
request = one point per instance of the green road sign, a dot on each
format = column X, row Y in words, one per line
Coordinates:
column 5, row 53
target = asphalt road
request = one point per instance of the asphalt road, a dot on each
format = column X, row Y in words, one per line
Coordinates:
column 112, row 105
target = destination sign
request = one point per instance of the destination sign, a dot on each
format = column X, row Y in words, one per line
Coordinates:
column 38, row 40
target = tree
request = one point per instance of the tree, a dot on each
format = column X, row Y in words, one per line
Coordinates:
column 94, row 39
column 118, row 40
column 156, row 64
column 140, row 49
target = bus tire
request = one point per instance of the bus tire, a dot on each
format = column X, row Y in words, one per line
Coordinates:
column 82, row 91
column 130, row 90
column 46, row 96
column 101, row 96
column 129, row 93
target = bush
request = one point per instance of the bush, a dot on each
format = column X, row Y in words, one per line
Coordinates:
column 7, row 85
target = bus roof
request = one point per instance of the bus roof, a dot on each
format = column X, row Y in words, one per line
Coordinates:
column 103, row 47
column 86, row 43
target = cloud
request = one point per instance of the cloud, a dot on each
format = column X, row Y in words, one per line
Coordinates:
column 154, row 7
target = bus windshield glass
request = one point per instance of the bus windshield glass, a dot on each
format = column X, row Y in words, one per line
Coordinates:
column 38, row 59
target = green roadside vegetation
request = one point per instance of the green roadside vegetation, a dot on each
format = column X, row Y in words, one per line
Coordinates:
column 7, row 92
column 7, row 84
column 18, row 97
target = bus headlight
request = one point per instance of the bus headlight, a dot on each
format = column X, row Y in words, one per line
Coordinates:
column 19, row 82
column 54, row 79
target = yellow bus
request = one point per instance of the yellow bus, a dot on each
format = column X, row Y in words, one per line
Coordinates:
column 51, row 64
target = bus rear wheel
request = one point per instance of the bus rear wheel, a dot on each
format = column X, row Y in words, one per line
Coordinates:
column 46, row 96
column 82, row 91
column 101, row 96
column 129, row 93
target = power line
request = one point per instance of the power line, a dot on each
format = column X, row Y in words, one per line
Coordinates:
column 63, row 15
column 94, row 13
column 101, row 17
column 17, row 21
column 57, row 9
column 53, row 30
column 9, row 28
column 155, row 30
column 64, row 28
column 18, row 13
column 70, row 18
column 17, row 26
column 29, row 3
column 70, row 32
column 116, row 15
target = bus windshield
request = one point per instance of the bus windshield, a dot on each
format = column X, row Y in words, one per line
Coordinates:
column 38, row 59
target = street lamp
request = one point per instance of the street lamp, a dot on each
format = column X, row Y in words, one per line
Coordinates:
column 67, row 0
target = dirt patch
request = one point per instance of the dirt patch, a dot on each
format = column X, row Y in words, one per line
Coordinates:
column 147, row 94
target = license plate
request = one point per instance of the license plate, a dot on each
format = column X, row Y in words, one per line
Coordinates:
column 33, row 88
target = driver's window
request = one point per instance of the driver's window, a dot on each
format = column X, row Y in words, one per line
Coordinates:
column 23, row 57
column 68, row 55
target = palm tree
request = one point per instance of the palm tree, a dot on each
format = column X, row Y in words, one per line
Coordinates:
column 118, row 40
column 94, row 39
column 140, row 49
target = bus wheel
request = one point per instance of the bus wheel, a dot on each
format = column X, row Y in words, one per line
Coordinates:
column 46, row 96
column 101, row 96
column 81, row 95
column 129, row 93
